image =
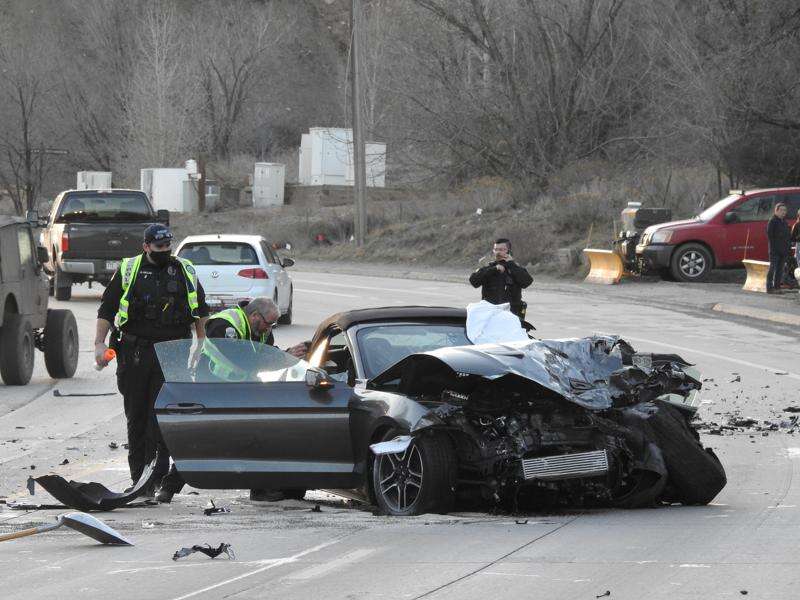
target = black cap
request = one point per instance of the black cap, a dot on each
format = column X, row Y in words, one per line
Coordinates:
column 157, row 233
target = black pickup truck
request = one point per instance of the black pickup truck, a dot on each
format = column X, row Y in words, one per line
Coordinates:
column 90, row 231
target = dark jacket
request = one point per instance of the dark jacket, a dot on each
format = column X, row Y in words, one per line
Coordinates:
column 796, row 232
column 498, row 288
column 159, row 310
column 779, row 236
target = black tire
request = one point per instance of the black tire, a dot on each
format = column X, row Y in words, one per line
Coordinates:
column 428, row 467
column 61, row 344
column 286, row 318
column 691, row 262
column 16, row 350
column 63, row 285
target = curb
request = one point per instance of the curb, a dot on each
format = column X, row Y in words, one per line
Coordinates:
column 758, row 313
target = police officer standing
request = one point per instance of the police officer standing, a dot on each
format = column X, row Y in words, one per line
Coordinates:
column 153, row 297
column 253, row 321
column 503, row 279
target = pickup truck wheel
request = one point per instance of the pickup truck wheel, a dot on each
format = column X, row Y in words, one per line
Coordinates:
column 63, row 285
column 691, row 262
column 61, row 344
column 16, row 350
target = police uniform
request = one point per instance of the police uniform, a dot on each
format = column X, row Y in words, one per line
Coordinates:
column 231, row 323
column 501, row 287
column 149, row 304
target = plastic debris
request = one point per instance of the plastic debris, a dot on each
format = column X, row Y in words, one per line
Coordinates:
column 113, row 445
column 58, row 394
column 208, row 550
column 215, row 510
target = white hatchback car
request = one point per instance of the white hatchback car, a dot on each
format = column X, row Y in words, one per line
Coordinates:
column 233, row 268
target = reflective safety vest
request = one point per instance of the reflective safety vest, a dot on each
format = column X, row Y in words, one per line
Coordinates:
column 219, row 364
column 129, row 268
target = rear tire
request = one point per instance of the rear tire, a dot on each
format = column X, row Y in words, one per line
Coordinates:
column 420, row 480
column 63, row 285
column 286, row 318
column 61, row 344
column 16, row 350
column 691, row 262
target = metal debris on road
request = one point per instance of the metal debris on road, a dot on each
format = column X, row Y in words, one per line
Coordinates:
column 113, row 445
column 58, row 394
column 215, row 510
column 64, row 462
column 736, row 379
column 81, row 522
column 208, row 550
column 608, row 593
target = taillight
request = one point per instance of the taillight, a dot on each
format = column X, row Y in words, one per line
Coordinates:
column 253, row 273
column 65, row 242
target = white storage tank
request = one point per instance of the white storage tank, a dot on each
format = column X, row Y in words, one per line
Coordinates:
column 165, row 189
column 268, row 183
column 94, row 180
column 375, row 159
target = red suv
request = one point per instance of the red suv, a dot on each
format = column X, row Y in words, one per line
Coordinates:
column 721, row 236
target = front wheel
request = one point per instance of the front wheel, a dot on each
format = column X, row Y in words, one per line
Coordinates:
column 691, row 262
column 419, row 480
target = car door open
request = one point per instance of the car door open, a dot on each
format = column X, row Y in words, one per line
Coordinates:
column 260, row 426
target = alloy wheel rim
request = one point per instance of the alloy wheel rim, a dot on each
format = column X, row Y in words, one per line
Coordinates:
column 400, row 478
column 692, row 263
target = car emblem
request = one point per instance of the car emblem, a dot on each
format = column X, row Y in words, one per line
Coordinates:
column 214, row 274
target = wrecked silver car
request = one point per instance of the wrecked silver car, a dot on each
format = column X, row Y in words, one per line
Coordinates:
column 397, row 404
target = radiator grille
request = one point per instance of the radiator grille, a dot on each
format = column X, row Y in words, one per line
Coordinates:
column 566, row 466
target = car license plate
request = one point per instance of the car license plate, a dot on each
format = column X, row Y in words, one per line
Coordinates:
column 112, row 265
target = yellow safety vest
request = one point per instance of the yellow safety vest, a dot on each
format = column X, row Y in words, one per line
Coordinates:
column 218, row 364
column 129, row 268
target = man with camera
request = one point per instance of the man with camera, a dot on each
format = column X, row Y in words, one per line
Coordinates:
column 503, row 280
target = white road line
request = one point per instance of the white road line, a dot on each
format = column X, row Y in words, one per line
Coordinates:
column 379, row 289
column 737, row 361
column 325, row 568
column 327, row 293
column 277, row 563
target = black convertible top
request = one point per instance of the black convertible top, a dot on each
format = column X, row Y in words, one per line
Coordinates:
column 346, row 319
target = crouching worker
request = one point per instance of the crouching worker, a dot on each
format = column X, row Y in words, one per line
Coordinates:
column 253, row 321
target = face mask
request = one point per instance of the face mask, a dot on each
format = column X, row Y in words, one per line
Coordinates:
column 160, row 258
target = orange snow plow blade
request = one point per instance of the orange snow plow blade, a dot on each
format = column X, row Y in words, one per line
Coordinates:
column 605, row 266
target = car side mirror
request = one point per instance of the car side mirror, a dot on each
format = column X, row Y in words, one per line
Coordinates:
column 41, row 254
column 287, row 262
column 162, row 216
column 731, row 217
column 318, row 379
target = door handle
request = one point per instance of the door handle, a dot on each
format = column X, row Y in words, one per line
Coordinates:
column 187, row 408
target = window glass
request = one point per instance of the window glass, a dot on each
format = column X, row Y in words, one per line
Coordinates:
column 267, row 252
column 792, row 205
column 382, row 346
column 92, row 206
column 25, row 246
column 219, row 253
column 756, row 209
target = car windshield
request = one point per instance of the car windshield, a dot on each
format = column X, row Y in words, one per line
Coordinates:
column 104, row 207
column 219, row 253
column 381, row 346
column 223, row 360
column 713, row 210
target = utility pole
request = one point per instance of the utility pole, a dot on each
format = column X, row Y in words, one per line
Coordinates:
column 359, row 160
column 201, row 182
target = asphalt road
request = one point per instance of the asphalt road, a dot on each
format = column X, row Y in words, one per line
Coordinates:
column 746, row 541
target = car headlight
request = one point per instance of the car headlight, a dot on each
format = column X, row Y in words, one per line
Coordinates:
column 662, row 236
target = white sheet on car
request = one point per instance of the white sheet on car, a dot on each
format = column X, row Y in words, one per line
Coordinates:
column 489, row 323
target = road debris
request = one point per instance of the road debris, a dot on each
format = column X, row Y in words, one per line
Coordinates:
column 64, row 462
column 31, row 484
column 792, row 409
column 207, row 550
column 215, row 510
column 608, row 593
column 147, row 525
column 113, row 445
column 81, row 522
column 736, row 379
column 58, row 394
column 316, row 508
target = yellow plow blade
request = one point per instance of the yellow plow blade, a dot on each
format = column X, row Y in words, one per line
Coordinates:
column 756, row 275
column 605, row 266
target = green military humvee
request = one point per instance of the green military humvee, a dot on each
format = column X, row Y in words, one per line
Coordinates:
column 25, row 321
